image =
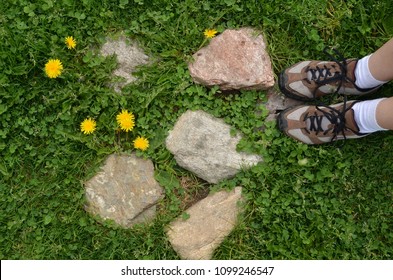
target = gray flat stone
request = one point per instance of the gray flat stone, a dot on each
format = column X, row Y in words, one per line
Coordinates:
column 129, row 56
column 210, row 221
column 203, row 145
column 124, row 191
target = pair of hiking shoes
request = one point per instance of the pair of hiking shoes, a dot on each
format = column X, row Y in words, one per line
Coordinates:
column 311, row 80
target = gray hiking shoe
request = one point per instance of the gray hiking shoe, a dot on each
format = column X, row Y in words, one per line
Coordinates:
column 308, row 80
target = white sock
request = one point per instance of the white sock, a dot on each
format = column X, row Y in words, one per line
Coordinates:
column 364, row 78
column 365, row 115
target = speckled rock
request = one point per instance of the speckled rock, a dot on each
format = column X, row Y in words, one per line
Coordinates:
column 209, row 222
column 129, row 56
column 124, row 191
column 204, row 145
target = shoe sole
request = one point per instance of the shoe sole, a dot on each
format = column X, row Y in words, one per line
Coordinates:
column 281, row 121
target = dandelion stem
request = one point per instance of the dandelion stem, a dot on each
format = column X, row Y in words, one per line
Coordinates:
column 204, row 41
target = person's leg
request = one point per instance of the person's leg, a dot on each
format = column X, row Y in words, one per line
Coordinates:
column 373, row 70
column 381, row 62
column 384, row 113
column 366, row 115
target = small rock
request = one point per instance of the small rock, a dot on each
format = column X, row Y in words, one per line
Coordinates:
column 124, row 191
column 277, row 102
column 203, row 145
column 235, row 59
column 210, row 221
column 129, row 56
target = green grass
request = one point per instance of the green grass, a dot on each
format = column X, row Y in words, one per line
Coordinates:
column 336, row 204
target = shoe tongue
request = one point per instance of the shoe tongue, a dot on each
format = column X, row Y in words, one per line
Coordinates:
column 349, row 122
column 351, row 64
column 351, row 70
column 325, row 124
column 318, row 74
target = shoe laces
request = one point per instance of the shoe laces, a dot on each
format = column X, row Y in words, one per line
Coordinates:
column 336, row 73
column 331, row 121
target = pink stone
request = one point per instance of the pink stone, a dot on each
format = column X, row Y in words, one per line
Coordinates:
column 235, row 59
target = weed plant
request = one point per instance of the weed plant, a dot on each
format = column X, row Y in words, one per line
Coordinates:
column 303, row 202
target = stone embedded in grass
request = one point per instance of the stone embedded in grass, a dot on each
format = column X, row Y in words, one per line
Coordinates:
column 129, row 56
column 235, row 59
column 203, row 145
column 124, row 191
column 277, row 102
column 209, row 222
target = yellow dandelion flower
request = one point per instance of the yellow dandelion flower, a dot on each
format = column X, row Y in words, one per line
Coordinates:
column 125, row 120
column 210, row 33
column 53, row 68
column 141, row 143
column 88, row 126
column 70, row 42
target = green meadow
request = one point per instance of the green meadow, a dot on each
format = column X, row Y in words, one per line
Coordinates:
column 303, row 202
